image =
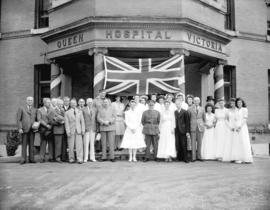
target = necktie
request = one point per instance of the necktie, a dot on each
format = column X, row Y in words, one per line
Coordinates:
column 74, row 113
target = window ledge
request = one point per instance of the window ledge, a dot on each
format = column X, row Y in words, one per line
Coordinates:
column 39, row 30
column 232, row 33
column 219, row 5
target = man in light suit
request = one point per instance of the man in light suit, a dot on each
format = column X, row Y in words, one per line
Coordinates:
column 45, row 130
column 150, row 121
column 57, row 117
column 26, row 116
column 75, row 129
column 64, row 156
column 106, row 117
column 89, row 114
column 197, row 115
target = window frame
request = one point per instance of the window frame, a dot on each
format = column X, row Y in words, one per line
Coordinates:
column 268, row 94
column 230, row 16
column 38, row 83
column 231, row 83
column 268, row 28
column 38, row 15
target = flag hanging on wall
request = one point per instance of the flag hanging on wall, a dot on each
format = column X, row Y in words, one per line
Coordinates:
column 125, row 76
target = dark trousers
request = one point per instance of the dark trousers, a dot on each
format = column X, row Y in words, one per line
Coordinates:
column 58, row 138
column 151, row 139
column 181, row 146
column 107, row 137
column 43, row 144
column 28, row 139
column 64, row 154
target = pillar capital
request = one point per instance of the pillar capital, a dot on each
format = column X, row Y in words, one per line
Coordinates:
column 98, row 50
column 222, row 62
column 179, row 51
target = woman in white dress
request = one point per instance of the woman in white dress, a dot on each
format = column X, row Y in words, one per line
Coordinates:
column 166, row 144
column 231, row 121
column 133, row 138
column 242, row 128
column 119, row 107
column 221, row 129
column 208, row 150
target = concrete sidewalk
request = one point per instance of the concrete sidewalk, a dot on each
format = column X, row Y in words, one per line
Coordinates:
column 123, row 185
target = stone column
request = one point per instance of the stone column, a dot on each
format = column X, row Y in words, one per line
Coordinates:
column 99, row 72
column 56, row 79
column 181, row 52
column 219, row 81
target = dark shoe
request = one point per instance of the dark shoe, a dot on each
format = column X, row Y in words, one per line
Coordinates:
column 32, row 161
column 146, row 160
column 42, row 161
column 80, row 162
column 22, row 162
column 103, row 160
column 58, row 160
column 200, row 160
column 51, row 160
column 157, row 160
column 112, row 160
column 186, row 161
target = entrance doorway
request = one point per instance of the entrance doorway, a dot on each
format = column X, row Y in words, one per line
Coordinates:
column 80, row 71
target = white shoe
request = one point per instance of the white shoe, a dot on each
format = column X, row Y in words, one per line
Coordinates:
column 130, row 160
column 238, row 161
column 134, row 160
column 93, row 160
column 85, row 161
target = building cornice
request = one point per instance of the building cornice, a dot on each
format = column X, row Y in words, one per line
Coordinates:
column 22, row 33
column 141, row 22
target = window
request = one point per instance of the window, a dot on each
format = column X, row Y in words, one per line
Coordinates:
column 230, row 16
column 42, row 76
column 269, row 94
column 229, row 82
column 0, row 14
column 41, row 13
column 268, row 28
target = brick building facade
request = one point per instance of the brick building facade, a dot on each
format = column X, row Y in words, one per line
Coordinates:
column 40, row 38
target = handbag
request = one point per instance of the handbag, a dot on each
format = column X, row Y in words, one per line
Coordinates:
column 37, row 139
column 189, row 146
column 98, row 137
column 35, row 126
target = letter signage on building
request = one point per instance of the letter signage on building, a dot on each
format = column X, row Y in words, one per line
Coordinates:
column 137, row 34
column 204, row 42
column 70, row 41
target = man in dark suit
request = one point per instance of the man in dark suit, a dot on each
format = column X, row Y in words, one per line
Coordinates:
column 57, row 118
column 182, row 131
column 26, row 116
column 45, row 130
column 150, row 121
column 64, row 156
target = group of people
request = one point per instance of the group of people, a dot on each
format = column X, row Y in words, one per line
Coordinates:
column 166, row 125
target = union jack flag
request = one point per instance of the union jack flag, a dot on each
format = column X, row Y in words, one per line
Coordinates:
column 144, row 76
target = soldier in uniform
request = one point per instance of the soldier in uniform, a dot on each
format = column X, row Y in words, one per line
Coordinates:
column 150, row 121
